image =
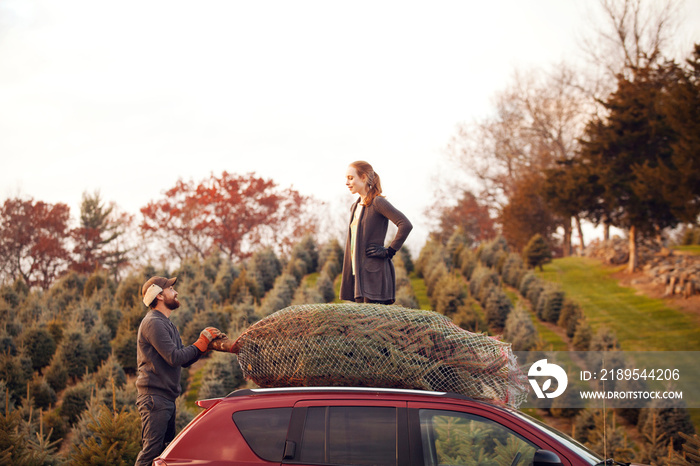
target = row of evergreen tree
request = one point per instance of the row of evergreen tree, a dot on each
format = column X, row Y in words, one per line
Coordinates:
column 477, row 287
column 69, row 353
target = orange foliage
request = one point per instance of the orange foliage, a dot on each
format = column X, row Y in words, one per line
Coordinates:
column 235, row 214
column 32, row 240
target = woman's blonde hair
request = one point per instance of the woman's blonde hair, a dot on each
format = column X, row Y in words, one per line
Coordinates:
column 367, row 173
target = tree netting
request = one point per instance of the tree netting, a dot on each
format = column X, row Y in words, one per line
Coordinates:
column 379, row 346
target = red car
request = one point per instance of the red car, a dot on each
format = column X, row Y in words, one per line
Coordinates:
column 366, row 426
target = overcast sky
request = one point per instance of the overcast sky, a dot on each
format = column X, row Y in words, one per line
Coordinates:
column 126, row 97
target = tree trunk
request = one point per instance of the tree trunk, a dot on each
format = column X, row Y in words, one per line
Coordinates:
column 566, row 249
column 579, row 229
column 632, row 264
column 606, row 231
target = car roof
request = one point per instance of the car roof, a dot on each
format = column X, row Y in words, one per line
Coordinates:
column 369, row 391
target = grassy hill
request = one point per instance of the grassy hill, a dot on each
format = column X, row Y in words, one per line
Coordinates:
column 640, row 322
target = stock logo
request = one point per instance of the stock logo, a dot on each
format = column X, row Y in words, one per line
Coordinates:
column 544, row 369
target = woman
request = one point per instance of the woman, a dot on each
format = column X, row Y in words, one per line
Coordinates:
column 368, row 273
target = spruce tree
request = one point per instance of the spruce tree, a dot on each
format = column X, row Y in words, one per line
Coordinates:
column 537, row 252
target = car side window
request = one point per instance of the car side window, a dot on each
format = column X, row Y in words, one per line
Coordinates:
column 454, row 438
column 350, row 435
column 264, row 430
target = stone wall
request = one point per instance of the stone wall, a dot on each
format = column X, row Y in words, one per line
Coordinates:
column 678, row 274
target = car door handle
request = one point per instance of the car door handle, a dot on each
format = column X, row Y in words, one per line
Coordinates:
column 290, row 449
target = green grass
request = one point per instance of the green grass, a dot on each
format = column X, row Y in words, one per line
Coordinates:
column 639, row 322
column 311, row 279
column 693, row 249
column 420, row 291
column 193, row 389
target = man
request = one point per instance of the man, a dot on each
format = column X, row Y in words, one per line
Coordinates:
column 160, row 356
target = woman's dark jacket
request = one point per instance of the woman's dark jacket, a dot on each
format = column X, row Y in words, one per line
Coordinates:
column 375, row 278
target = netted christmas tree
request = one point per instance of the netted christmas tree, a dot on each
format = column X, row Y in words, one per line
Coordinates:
column 377, row 346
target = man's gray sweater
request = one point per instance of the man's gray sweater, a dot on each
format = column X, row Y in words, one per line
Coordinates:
column 160, row 355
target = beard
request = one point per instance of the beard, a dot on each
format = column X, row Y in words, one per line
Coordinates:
column 171, row 303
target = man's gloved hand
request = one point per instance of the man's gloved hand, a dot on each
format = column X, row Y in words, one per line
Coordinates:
column 206, row 336
column 222, row 344
column 379, row 251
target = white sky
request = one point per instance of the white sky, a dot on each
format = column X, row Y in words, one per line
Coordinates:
column 125, row 97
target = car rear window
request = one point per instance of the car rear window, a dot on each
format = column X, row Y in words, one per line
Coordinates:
column 353, row 435
column 265, row 430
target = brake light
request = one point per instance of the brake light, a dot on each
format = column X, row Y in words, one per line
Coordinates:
column 159, row 462
column 208, row 403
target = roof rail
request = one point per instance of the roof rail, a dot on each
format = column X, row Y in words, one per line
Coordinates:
column 404, row 391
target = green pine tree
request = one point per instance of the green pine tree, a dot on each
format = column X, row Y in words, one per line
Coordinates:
column 537, row 252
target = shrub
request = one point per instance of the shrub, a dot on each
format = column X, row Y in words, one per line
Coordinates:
column 537, row 252
column 494, row 253
column 549, row 303
column 225, row 276
column 221, row 375
column 583, row 335
column 324, row 286
column 449, row 295
column 456, row 243
column 430, row 255
column 200, row 321
column 519, row 330
column 667, row 420
column 513, row 269
column 467, row 318
column 307, row 251
column 604, row 340
column 74, row 354
column 534, row 290
column 404, row 256
column 128, row 292
column 584, row 424
column 114, row 438
column 468, row 263
column 264, row 268
column 308, row 295
column 43, row 396
column 497, row 308
column 75, row 400
column 481, row 283
column 406, row 297
column 124, row 348
column 109, row 371
column 569, row 317
column 15, row 371
column 331, row 255
column 433, row 277
column 56, row 376
column 245, row 286
column 96, row 282
column 280, row 296
column 526, row 282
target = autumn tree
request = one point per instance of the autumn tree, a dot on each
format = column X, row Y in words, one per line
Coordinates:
column 33, row 240
column 468, row 216
column 234, row 214
column 527, row 214
column 627, row 36
column 537, row 122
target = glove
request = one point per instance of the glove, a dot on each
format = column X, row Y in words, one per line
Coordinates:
column 380, row 252
column 207, row 335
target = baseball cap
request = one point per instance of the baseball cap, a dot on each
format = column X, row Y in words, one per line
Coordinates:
column 154, row 286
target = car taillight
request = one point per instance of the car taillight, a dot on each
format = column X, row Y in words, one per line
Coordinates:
column 159, row 462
